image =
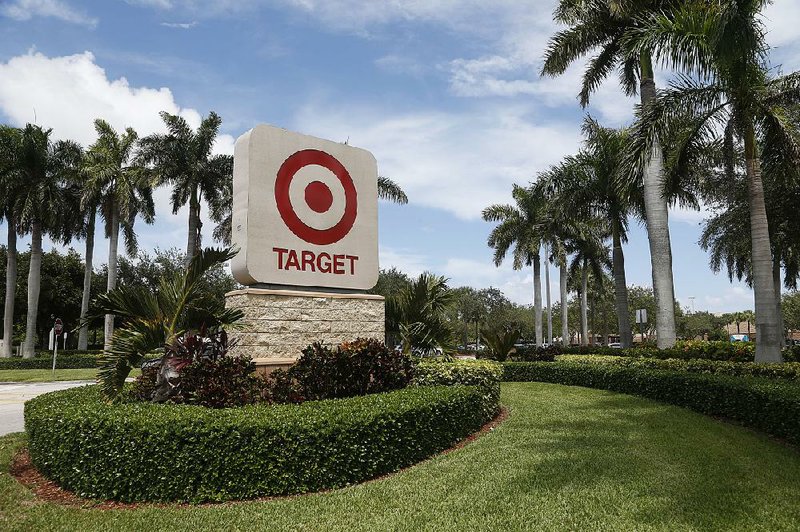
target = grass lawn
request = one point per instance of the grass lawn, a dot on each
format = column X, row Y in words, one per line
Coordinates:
column 566, row 459
column 46, row 375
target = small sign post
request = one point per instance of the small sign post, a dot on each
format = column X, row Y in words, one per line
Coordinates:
column 58, row 328
column 641, row 319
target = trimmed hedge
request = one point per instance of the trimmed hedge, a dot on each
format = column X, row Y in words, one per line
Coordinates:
column 62, row 362
column 770, row 406
column 789, row 371
column 485, row 374
column 685, row 350
column 156, row 452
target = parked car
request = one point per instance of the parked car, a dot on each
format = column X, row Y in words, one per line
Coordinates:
column 615, row 345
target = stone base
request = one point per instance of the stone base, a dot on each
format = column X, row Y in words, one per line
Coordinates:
column 279, row 324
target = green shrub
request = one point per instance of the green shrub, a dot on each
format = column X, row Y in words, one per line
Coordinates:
column 786, row 371
column 535, row 353
column 770, row 406
column 360, row 367
column 164, row 452
column 62, row 362
column 482, row 373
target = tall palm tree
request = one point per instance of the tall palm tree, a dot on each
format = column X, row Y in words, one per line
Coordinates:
column 519, row 226
column 610, row 27
column 592, row 182
column 738, row 97
column 589, row 256
column 10, row 187
column 182, row 158
column 123, row 191
column 45, row 167
column 88, row 205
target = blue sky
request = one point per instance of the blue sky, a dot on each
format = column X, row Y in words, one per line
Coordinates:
column 445, row 93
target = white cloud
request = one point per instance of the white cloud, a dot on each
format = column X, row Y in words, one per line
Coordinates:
column 27, row 9
column 459, row 162
column 29, row 84
column 180, row 25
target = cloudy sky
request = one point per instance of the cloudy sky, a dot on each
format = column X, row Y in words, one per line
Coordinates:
column 445, row 93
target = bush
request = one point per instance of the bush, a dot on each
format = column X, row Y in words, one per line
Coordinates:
column 66, row 362
column 535, row 353
column 770, row 406
column 482, row 373
column 220, row 382
column 786, row 371
column 164, row 452
column 361, row 367
column 684, row 349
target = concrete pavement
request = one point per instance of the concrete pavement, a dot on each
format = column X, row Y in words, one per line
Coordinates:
column 14, row 394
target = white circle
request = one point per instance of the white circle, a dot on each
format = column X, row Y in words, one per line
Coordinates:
column 297, row 196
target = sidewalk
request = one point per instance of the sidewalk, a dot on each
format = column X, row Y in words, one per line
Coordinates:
column 14, row 394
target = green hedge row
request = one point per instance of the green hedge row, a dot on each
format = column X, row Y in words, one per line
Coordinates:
column 770, row 406
column 684, row 349
column 156, row 452
column 62, row 362
column 485, row 374
column 789, row 371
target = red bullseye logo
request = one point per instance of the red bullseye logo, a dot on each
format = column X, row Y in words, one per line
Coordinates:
column 318, row 197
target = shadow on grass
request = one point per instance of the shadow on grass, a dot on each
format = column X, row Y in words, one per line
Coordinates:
column 679, row 469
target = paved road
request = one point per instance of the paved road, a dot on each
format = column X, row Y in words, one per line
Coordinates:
column 14, row 394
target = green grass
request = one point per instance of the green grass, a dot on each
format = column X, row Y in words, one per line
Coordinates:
column 566, row 459
column 46, row 375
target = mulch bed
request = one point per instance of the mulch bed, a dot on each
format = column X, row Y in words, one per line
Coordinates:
column 46, row 490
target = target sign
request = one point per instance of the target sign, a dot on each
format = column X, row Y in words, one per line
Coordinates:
column 304, row 211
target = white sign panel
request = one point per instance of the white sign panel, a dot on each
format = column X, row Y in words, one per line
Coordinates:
column 305, row 211
column 641, row 315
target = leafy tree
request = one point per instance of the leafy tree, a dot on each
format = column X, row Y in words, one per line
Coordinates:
column 791, row 310
column 736, row 101
column 610, row 26
column 182, row 158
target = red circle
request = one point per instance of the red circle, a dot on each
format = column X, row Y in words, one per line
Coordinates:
column 319, row 197
column 286, row 173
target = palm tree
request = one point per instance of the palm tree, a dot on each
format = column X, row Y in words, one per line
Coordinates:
column 519, row 226
column 589, row 256
column 153, row 320
column 45, row 167
column 183, row 158
column 419, row 314
column 123, row 191
column 610, row 26
column 88, row 209
column 390, row 191
column 592, row 183
column 10, row 187
column 739, row 98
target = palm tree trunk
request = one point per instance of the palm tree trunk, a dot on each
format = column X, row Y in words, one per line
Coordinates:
column 657, row 216
column 11, row 284
column 549, row 303
column 194, row 219
column 113, row 244
column 584, row 305
column 34, row 285
column 621, row 290
column 537, row 297
column 83, row 334
column 768, row 335
column 776, row 280
column 562, row 281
